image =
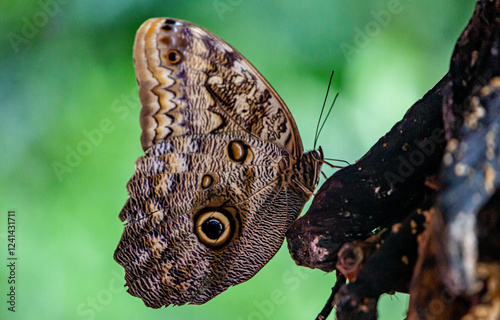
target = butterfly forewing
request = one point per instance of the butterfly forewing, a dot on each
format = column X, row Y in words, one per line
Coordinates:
column 211, row 89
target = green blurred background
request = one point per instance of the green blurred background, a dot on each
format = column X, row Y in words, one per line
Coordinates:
column 66, row 68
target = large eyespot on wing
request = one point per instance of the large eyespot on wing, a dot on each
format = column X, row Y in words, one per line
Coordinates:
column 193, row 82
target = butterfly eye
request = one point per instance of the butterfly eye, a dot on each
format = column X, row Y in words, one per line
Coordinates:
column 214, row 228
column 173, row 56
column 237, row 151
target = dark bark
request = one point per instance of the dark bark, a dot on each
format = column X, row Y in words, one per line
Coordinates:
column 432, row 180
column 330, row 304
column 470, row 173
column 382, row 188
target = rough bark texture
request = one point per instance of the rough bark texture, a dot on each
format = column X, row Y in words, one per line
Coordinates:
column 431, row 181
column 382, row 188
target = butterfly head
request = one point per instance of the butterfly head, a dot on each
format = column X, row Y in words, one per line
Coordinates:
column 306, row 172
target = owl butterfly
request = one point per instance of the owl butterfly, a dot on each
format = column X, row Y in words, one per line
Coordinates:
column 223, row 175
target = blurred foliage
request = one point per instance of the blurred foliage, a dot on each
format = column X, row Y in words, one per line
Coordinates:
column 67, row 73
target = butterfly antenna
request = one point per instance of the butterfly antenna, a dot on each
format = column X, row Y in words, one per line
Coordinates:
column 322, row 109
column 327, row 115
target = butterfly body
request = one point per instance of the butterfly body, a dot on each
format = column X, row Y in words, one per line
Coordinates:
column 223, row 175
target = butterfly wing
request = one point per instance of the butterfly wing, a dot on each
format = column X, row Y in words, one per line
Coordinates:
column 193, row 82
column 209, row 202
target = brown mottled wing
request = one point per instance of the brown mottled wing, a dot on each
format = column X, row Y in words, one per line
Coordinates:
column 219, row 142
column 164, row 260
column 212, row 89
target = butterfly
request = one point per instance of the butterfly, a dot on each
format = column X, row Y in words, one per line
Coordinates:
column 223, row 175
